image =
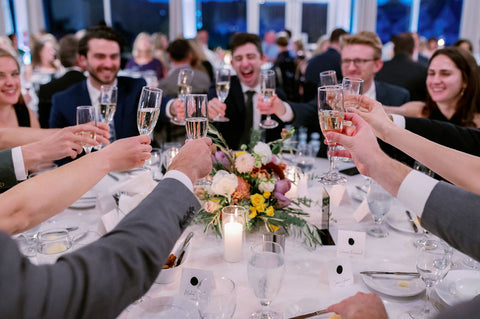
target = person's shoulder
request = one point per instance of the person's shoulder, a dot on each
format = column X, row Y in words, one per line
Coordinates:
column 128, row 81
column 71, row 91
column 384, row 86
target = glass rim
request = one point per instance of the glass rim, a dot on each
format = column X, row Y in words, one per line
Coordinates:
column 328, row 72
column 152, row 89
column 229, row 281
column 85, row 107
column 331, row 87
column 359, row 80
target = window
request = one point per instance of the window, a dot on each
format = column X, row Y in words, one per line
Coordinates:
column 440, row 18
column 393, row 17
column 272, row 17
column 314, row 20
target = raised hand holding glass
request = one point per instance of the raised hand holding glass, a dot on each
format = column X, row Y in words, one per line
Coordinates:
column 222, row 78
column 184, row 82
column 196, row 115
column 267, row 86
column 148, row 109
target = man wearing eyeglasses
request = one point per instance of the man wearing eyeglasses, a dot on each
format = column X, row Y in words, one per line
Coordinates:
column 361, row 58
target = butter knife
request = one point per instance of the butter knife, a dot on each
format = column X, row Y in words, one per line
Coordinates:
column 410, row 218
column 311, row 314
column 397, row 273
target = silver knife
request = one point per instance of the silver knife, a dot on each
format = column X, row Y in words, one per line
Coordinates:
column 311, row 314
column 415, row 228
column 397, row 273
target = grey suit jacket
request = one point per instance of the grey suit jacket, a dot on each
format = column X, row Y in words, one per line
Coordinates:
column 101, row 279
column 7, row 171
column 452, row 214
column 200, row 84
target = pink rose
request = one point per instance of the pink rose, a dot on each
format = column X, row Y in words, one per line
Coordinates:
column 281, row 187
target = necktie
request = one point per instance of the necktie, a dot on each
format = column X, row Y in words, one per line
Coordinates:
column 248, row 122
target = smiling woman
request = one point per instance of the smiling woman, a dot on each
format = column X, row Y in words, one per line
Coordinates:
column 13, row 111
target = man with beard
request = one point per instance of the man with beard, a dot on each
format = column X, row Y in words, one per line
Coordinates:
column 99, row 52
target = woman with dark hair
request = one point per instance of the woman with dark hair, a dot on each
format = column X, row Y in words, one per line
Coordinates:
column 13, row 111
column 43, row 55
column 453, row 85
column 464, row 44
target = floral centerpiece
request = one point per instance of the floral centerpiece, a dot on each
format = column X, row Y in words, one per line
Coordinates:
column 254, row 178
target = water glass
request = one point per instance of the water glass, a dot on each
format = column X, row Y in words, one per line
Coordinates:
column 216, row 298
column 379, row 201
column 153, row 163
column 233, row 228
column 167, row 157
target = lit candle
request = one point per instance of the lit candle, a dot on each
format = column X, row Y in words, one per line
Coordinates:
column 232, row 239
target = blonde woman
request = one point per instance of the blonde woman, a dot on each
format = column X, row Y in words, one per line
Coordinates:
column 143, row 59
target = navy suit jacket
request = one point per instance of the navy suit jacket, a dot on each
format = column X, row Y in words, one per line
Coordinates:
column 391, row 95
column 7, row 171
column 64, row 105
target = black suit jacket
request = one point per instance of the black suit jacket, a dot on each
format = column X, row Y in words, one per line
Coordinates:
column 404, row 72
column 328, row 60
column 7, row 171
column 391, row 95
column 48, row 90
column 233, row 130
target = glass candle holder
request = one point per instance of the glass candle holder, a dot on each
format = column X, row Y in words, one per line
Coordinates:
column 233, row 226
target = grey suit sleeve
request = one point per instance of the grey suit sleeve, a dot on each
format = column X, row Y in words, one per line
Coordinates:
column 101, row 279
column 452, row 214
column 7, row 171
column 465, row 310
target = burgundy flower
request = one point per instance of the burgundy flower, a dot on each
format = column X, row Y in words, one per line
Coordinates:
column 221, row 158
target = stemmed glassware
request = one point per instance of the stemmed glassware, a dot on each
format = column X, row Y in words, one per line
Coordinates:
column 222, row 78
column 108, row 103
column 184, row 82
column 267, row 87
column 148, row 109
column 379, row 201
column 265, row 269
column 331, row 115
column 328, row 78
column 352, row 86
column 87, row 114
column 216, row 298
column 196, row 115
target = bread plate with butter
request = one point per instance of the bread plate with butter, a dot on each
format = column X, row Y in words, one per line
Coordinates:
column 394, row 283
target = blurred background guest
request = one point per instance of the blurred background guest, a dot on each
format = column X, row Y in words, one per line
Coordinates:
column 269, row 46
column 143, row 59
column 160, row 45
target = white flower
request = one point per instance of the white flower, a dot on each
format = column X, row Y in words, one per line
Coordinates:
column 245, row 163
column 266, row 187
column 264, row 151
column 224, row 183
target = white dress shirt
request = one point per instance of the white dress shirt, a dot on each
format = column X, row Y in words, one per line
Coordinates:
column 18, row 165
column 181, row 177
column 372, row 92
column 415, row 190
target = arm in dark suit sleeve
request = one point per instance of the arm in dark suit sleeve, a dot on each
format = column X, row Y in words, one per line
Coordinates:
column 101, row 279
column 451, row 213
column 7, row 171
column 464, row 310
column 56, row 118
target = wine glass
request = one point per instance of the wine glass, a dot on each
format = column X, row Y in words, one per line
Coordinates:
column 379, row 201
column 148, row 109
column 267, row 86
column 108, row 102
column 196, row 116
column 87, row 114
column 222, row 77
column 433, row 263
column 328, row 78
column 330, row 115
column 184, row 82
column 216, row 298
column 265, row 269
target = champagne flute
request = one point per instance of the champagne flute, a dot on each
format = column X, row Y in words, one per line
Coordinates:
column 379, row 201
column 265, row 269
column 328, row 78
column 196, row 115
column 267, row 86
column 184, row 82
column 330, row 115
column 148, row 109
column 222, row 77
column 87, row 114
column 108, row 102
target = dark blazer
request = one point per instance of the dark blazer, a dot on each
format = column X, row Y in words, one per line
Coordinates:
column 64, row 105
column 391, row 95
column 232, row 130
column 7, row 171
column 404, row 72
column 328, row 60
column 48, row 90
column 103, row 278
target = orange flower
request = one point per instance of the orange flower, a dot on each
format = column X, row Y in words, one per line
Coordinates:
column 242, row 190
column 260, row 173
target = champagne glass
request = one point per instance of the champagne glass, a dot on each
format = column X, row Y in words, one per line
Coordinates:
column 433, row 263
column 184, row 82
column 216, row 298
column 222, row 77
column 328, row 78
column 353, row 86
column 148, row 109
column 108, row 102
column 196, row 115
column 265, row 269
column 330, row 115
column 267, row 86
column 87, row 114
column 379, row 201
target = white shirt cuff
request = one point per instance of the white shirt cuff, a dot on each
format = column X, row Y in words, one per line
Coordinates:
column 288, row 116
column 167, row 108
column 181, row 177
column 18, row 165
column 415, row 190
column 398, row 120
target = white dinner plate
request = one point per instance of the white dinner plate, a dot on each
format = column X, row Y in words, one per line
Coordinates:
column 163, row 308
column 397, row 219
column 459, row 285
column 88, row 200
column 389, row 285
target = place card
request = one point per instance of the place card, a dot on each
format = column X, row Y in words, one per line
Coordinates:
column 339, row 196
column 362, row 211
column 111, row 219
column 340, row 273
column 351, row 243
column 191, row 277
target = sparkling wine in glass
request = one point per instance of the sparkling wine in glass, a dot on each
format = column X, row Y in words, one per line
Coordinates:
column 330, row 116
column 196, row 115
column 379, row 201
column 87, row 114
column 184, row 83
column 108, row 102
column 148, row 109
column 222, row 85
column 267, row 87
column 328, row 78
column 265, row 270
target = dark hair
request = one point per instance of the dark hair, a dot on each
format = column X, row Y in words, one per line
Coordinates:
column 68, row 50
column 38, row 45
column 179, row 49
column 403, row 43
column 336, row 34
column 468, row 104
column 282, row 41
column 243, row 38
column 461, row 41
column 99, row 32
column 288, row 32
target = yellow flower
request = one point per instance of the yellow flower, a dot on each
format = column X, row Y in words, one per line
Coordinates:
column 257, row 200
column 261, row 208
column 253, row 213
column 273, row 228
column 240, row 153
column 267, row 194
column 270, row 211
